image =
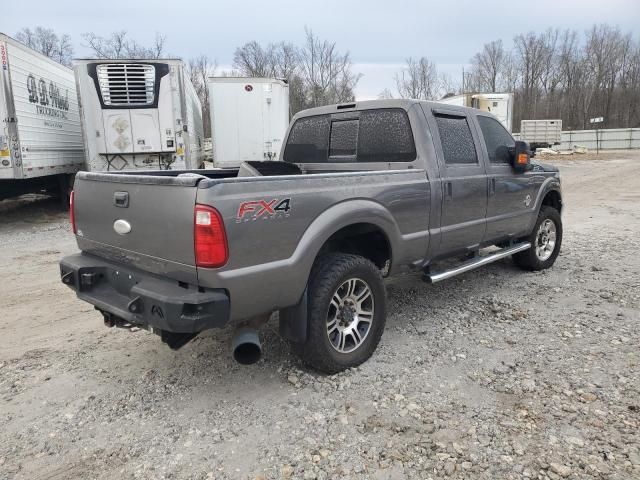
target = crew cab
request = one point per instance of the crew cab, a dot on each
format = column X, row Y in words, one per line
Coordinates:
column 361, row 191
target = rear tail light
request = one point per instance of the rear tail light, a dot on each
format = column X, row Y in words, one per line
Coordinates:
column 210, row 239
column 72, row 213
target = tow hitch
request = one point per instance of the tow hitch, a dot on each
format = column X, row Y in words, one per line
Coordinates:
column 111, row 321
column 172, row 339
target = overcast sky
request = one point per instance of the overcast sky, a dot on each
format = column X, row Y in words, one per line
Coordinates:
column 379, row 34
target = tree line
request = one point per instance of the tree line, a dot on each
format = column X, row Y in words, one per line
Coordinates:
column 554, row 74
column 567, row 75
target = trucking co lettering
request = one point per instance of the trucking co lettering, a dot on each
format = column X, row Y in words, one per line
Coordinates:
column 3, row 56
column 49, row 101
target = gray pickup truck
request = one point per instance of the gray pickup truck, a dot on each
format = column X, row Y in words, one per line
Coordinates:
column 361, row 191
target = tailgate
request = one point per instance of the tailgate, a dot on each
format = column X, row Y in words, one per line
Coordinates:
column 145, row 221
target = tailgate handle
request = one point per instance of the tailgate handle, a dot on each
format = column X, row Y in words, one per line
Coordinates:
column 121, row 199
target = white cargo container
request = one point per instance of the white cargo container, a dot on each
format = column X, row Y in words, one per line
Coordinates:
column 40, row 136
column 249, row 117
column 541, row 133
column 139, row 114
column 499, row 104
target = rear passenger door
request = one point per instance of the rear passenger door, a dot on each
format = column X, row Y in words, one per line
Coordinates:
column 511, row 194
column 463, row 181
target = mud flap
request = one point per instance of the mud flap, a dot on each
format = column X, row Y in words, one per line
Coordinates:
column 176, row 340
column 293, row 321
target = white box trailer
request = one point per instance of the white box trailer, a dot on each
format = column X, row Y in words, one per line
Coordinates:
column 139, row 114
column 40, row 137
column 249, row 118
column 499, row 104
column 541, row 133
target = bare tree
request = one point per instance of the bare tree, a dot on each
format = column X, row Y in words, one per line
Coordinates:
column 253, row 60
column 46, row 41
column 385, row 94
column 318, row 74
column 326, row 72
column 629, row 97
column 510, row 73
column 445, row 84
column 564, row 75
column 605, row 51
column 199, row 70
column 419, row 80
column 488, row 64
column 117, row 45
column 531, row 55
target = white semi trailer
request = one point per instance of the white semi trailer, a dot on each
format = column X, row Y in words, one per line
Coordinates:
column 139, row 114
column 500, row 104
column 249, row 117
column 40, row 136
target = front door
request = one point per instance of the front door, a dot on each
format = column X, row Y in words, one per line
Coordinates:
column 511, row 195
column 463, row 182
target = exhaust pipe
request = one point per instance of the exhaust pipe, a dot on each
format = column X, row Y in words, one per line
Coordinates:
column 246, row 346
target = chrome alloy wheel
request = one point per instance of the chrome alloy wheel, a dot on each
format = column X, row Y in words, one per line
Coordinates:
column 350, row 315
column 545, row 240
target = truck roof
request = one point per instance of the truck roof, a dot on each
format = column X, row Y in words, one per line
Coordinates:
column 404, row 103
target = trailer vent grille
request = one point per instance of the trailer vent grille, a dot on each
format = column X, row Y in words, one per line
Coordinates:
column 127, row 84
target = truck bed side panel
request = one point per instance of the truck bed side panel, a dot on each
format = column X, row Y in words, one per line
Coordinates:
column 271, row 255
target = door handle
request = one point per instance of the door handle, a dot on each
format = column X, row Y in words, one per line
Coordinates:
column 492, row 186
column 449, row 190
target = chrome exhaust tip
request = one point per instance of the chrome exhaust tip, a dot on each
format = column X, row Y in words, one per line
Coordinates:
column 245, row 346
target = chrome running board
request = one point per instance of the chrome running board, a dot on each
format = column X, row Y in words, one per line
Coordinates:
column 476, row 262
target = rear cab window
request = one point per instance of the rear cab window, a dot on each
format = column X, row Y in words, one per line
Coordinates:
column 456, row 139
column 380, row 135
column 308, row 141
column 343, row 141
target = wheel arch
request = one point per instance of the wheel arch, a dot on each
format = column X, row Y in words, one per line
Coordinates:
column 549, row 194
column 361, row 227
column 365, row 239
column 344, row 228
column 552, row 198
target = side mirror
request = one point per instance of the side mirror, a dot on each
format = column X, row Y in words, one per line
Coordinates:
column 521, row 157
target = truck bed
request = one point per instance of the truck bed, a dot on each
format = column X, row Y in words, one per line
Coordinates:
column 271, row 223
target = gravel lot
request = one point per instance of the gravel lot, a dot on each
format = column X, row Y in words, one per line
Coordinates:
column 496, row 374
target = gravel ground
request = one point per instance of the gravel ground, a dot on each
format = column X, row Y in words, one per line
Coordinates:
column 495, row 374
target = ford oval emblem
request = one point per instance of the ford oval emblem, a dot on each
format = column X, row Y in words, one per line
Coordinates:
column 122, row 227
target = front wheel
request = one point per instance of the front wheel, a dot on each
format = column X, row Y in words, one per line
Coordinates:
column 545, row 239
column 346, row 313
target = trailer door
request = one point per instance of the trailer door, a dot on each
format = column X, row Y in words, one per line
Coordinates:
column 146, row 131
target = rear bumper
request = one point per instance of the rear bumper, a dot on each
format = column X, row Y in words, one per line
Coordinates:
column 142, row 298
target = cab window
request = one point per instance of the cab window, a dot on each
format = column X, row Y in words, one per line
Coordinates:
column 497, row 140
column 308, row 140
column 380, row 135
column 456, row 140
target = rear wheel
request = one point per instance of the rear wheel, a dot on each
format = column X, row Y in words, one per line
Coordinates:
column 346, row 313
column 545, row 239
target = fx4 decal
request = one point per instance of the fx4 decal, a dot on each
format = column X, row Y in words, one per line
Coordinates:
column 264, row 209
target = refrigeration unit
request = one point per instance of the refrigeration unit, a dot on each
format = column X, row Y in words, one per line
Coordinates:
column 139, row 114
